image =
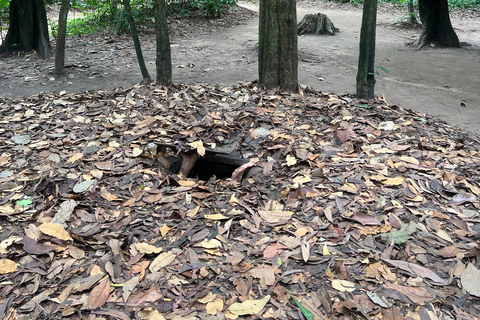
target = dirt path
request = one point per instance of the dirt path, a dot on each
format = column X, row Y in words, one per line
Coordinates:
column 441, row 82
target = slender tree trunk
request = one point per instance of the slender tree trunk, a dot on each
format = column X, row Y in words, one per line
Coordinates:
column 436, row 24
column 62, row 31
column 277, row 46
column 411, row 13
column 28, row 29
column 366, row 60
column 119, row 23
column 164, row 60
column 136, row 41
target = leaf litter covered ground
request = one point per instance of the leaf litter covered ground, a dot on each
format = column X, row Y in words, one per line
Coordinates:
column 352, row 209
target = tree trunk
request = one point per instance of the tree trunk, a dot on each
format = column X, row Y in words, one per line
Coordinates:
column 411, row 13
column 62, row 30
column 317, row 23
column 136, row 41
column 436, row 24
column 366, row 60
column 277, row 46
column 28, row 28
column 164, row 60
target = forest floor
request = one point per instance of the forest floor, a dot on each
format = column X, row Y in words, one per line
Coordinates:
column 438, row 81
column 341, row 209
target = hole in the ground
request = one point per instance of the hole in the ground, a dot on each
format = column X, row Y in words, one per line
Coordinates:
column 220, row 166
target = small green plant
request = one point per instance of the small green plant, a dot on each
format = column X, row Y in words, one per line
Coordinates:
column 381, row 67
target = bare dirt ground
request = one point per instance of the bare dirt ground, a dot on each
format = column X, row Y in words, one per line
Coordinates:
column 436, row 81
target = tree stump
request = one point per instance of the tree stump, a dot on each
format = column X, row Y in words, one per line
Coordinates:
column 317, row 23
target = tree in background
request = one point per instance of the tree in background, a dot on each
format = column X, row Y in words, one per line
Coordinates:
column 436, row 24
column 28, row 28
column 164, row 60
column 366, row 60
column 136, row 40
column 277, row 46
column 62, row 31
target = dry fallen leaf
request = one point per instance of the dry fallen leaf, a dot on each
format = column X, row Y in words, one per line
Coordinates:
column 7, row 266
column 343, row 285
column 55, row 230
column 161, row 261
column 249, row 307
column 98, row 296
column 470, row 279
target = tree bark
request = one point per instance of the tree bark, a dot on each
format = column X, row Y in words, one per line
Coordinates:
column 411, row 13
column 62, row 31
column 136, row 41
column 28, row 29
column 277, row 46
column 164, row 60
column 317, row 23
column 436, row 24
column 366, row 60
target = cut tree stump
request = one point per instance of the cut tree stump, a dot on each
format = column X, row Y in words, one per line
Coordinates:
column 317, row 23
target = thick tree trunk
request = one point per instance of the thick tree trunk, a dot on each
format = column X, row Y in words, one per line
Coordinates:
column 436, row 24
column 164, row 60
column 62, row 31
column 317, row 23
column 136, row 41
column 277, row 47
column 28, row 28
column 366, row 60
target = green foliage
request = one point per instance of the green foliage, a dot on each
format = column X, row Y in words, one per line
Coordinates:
column 4, row 4
column 452, row 3
column 205, row 7
column 464, row 3
column 98, row 15
column 381, row 67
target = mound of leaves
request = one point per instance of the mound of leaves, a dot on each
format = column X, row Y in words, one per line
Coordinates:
column 351, row 209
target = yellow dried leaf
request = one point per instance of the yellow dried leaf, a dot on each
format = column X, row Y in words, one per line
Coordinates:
column 146, row 248
column 408, row 159
column 325, row 250
column 55, row 230
column 233, row 200
column 444, row 235
column 208, row 298
column 211, row 244
column 343, row 285
column 193, row 212
column 199, row 146
column 109, row 196
column 230, row 315
column 149, row 314
column 96, row 270
column 216, row 216
column 214, row 306
column 249, row 306
column 162, row 261
column 7, row 266
column 302, row 179
column 6, row 209
column 75, row 157
column 187, row 183
column 291, row 161
column 393, row 181
column 275, row 216
column 136, row 152
column 164, row 230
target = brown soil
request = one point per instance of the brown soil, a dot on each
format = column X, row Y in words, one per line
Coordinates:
column 436, row 81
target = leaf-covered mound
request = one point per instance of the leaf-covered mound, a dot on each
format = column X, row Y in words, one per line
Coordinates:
column 353, row 209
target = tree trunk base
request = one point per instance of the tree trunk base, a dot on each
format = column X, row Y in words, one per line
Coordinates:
column 317, row 23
